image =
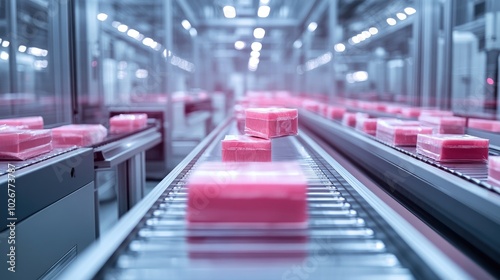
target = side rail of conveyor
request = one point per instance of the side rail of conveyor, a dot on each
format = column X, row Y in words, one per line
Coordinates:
column 455, row 197
column 351, row 233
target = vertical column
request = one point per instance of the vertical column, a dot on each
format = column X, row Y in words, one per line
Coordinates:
column 492, row 50
column 428, row 19
column 169, row 79
column 332, row 39
column 197, row 62
column 12, row 31
column 449, row 23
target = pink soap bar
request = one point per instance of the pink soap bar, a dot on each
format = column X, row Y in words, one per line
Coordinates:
column 335, row 112
column 24, row 144
column 436, row 113
column 245, row 148
column 393, row 108
column 27, row 122
column 127, row 123
column 247, row 194
column 452, row 147
column 310, row 105
column 400, row 133
column 78, row 135
column 411, row 112
column 489, row 125
column 366, row 125
column 271, row 122
column 494, row 169
column 444, row 124
column 349, row 119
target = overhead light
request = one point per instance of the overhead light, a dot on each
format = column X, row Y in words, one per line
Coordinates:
column 355, row 39
column 39, row 64
column 22, row 48
column 401, row 16
column 147, row 41
column 366, row 34
column 102, row 16
column 4, row 55
column 339, row 47
column 253, row 61
column 391, row 21
column 259, row 33
column 360, row 37
column 264, row 2
column 122, row 28
column 256, row 46
column 239, row 45
column 255, row 54
column 185, row 23
column 410, row 11
column 154, row 45
column 141, row 73
column 263, row 11
column 115, row 24
column 252, row 68
column 193, row 32
column 37, row 51
column 312, row 26
column 229, row 11
column 373, row 30
column 297, row 44
column 166, row 53
column 5, row 43
column 133, row 33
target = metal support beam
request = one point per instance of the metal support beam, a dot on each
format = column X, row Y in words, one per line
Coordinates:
column 426, row 35
column 332, row 28
column 12, row 36
column 168, row 77
column 449, row 23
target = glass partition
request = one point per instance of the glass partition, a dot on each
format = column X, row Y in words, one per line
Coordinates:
column 34, row 60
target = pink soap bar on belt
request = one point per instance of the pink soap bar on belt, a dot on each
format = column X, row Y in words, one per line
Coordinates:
column 494, row 169
column 245, row 148
column 127, row 123
column 400, row 133
column 24, row 144
column 78, row 135
column 411, row 112
column 26, row 123
column 335, row 112
column 366, row 125
column 488, row 125
column 349, row 119
column 444, row 124
column 247, row 194
column 452, row 147
column 271, row 122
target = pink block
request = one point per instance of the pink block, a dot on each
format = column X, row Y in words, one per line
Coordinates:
column 489, row 125
column 393, row 108
column 271, row 122
column 245, row 148
column 411, row 112
column 366, row 125
column 311, row 105
column 452, row 147
column 349, row 118
column 247, row 194
column 78, row 135
column 494, row 169
column 400, row 133
column 444, row 124
column 436, row 113
column 335, row 112
column 127, row 123
column 27, row 122
column 24, row 144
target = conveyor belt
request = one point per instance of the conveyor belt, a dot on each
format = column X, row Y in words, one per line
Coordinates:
column 346, row 237
column 454, row 197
